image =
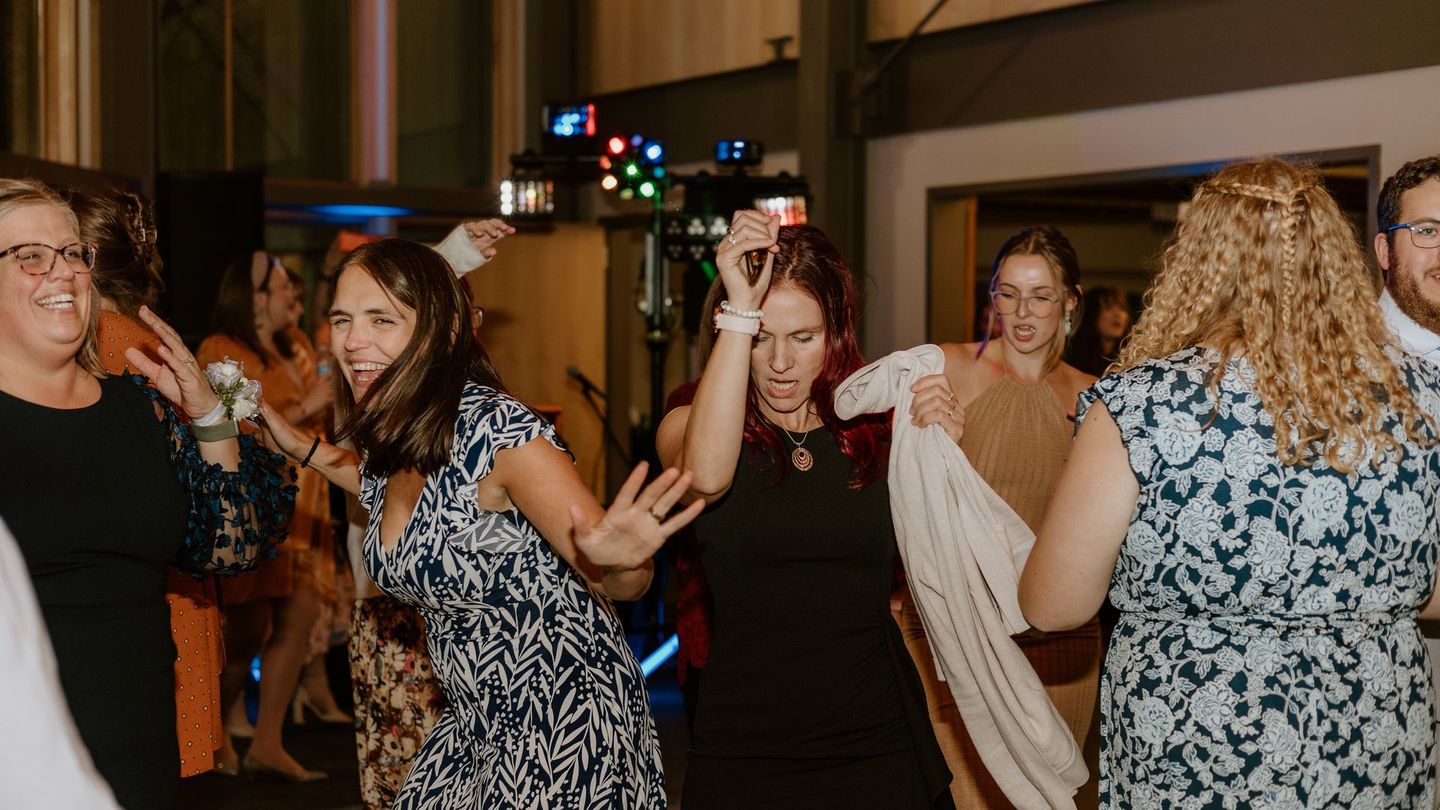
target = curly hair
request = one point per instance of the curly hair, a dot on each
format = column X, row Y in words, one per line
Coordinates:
column 1264, row 265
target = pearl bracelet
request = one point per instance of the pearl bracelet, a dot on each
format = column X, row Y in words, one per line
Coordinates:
column 741, row 313
column 737, row 323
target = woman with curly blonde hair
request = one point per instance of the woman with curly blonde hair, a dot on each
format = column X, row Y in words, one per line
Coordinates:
column 1257, row 489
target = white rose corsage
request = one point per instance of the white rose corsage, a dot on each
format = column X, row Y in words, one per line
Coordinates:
column 238, row 401
column 238, row 394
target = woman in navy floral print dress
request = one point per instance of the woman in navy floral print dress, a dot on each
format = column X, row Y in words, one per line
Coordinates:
column 479, row 520
column 1262, row 477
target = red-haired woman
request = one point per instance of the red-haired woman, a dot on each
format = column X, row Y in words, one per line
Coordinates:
column 809, row 698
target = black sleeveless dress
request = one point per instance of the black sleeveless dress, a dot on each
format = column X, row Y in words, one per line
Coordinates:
column 809, row 697
column 93, row 500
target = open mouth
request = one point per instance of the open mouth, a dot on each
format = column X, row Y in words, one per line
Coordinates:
column 781, row 389
column 364, row 374
column 58, row 302
column 1023, row 331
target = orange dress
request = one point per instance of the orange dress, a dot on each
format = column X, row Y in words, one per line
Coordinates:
column 306, row 558
column 194, row 613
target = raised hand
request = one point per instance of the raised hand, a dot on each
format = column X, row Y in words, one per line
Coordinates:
column 935, row 404
column 636, row 524
column 749, row 230
column 484, row 233
column 178, row 376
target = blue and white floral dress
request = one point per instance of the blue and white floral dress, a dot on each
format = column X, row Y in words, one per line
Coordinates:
column 1267, row 653
column 548, row 707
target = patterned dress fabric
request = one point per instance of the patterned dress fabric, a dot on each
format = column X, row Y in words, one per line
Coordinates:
column 397, row 700
column 547, row 703
column 1267, row 653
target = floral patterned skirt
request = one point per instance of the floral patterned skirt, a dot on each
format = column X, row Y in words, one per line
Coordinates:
column 397, row 700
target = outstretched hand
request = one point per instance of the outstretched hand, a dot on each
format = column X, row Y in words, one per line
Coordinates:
column 636, row 524
column 484, row 233
column 177, row 376
column 279, row 435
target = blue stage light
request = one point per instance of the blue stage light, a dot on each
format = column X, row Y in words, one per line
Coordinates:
column 360, row 211
column 653, row 661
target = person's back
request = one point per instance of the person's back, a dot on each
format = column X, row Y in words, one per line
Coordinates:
column 1267, row 610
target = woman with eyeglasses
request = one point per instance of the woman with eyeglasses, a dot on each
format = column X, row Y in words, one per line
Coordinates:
column 1015, row 398
column 272, row 611
column 104, row 485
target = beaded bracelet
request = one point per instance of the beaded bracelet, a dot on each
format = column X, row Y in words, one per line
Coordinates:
column 741, row 313
column 737, row 323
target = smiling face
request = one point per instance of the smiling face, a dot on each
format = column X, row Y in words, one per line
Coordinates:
column 1413, row 274
column 1030, row 303
column 369, row 329
column 788, row 352
column 42, row 318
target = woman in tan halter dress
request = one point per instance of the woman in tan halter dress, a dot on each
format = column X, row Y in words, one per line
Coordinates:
column 1019, row 400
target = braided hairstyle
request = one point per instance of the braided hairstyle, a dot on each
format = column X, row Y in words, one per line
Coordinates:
column 1264, row 265
column 121, row 225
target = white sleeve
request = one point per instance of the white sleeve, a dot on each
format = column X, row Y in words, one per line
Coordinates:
column 460, row 251
column 43, row 763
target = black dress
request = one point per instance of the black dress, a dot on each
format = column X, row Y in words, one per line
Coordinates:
column 809, row 697
column 95, row 499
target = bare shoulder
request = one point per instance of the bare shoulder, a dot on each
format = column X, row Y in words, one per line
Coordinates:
column 670, row 437
column 971, row 367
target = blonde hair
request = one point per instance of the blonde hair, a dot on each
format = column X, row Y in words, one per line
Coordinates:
column 1050, row 245
column 1264, row 265
column 17, row 194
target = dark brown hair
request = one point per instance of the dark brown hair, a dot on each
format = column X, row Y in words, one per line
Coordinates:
column 234, row 314
column 121, row 225
column 810, row 263
column 407, row 418
column 1412, row 174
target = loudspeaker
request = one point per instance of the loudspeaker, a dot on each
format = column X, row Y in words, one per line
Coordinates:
column 205, row 221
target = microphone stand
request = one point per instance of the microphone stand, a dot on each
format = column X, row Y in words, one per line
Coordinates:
column 588, row 391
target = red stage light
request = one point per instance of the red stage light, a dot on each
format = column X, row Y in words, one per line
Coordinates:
column 616, row 145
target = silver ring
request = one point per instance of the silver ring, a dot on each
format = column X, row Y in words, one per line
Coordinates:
column 732, row 238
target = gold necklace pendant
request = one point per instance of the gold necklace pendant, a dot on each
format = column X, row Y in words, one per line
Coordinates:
column 801, row 458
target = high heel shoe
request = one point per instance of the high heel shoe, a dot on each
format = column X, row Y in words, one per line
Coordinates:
column 266, row 773
column 302, row 702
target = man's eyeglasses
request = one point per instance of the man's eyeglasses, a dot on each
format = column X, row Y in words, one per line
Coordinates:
column 1423, row 234
column 38, row 260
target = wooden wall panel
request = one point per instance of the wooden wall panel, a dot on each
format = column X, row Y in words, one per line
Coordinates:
column 544, row 299
column 638, row 43
column 893, row 19
column 952, row 274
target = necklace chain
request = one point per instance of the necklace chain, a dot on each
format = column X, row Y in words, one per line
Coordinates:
column 803, row 436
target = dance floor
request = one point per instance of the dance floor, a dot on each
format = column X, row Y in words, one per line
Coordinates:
column 332, row 749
